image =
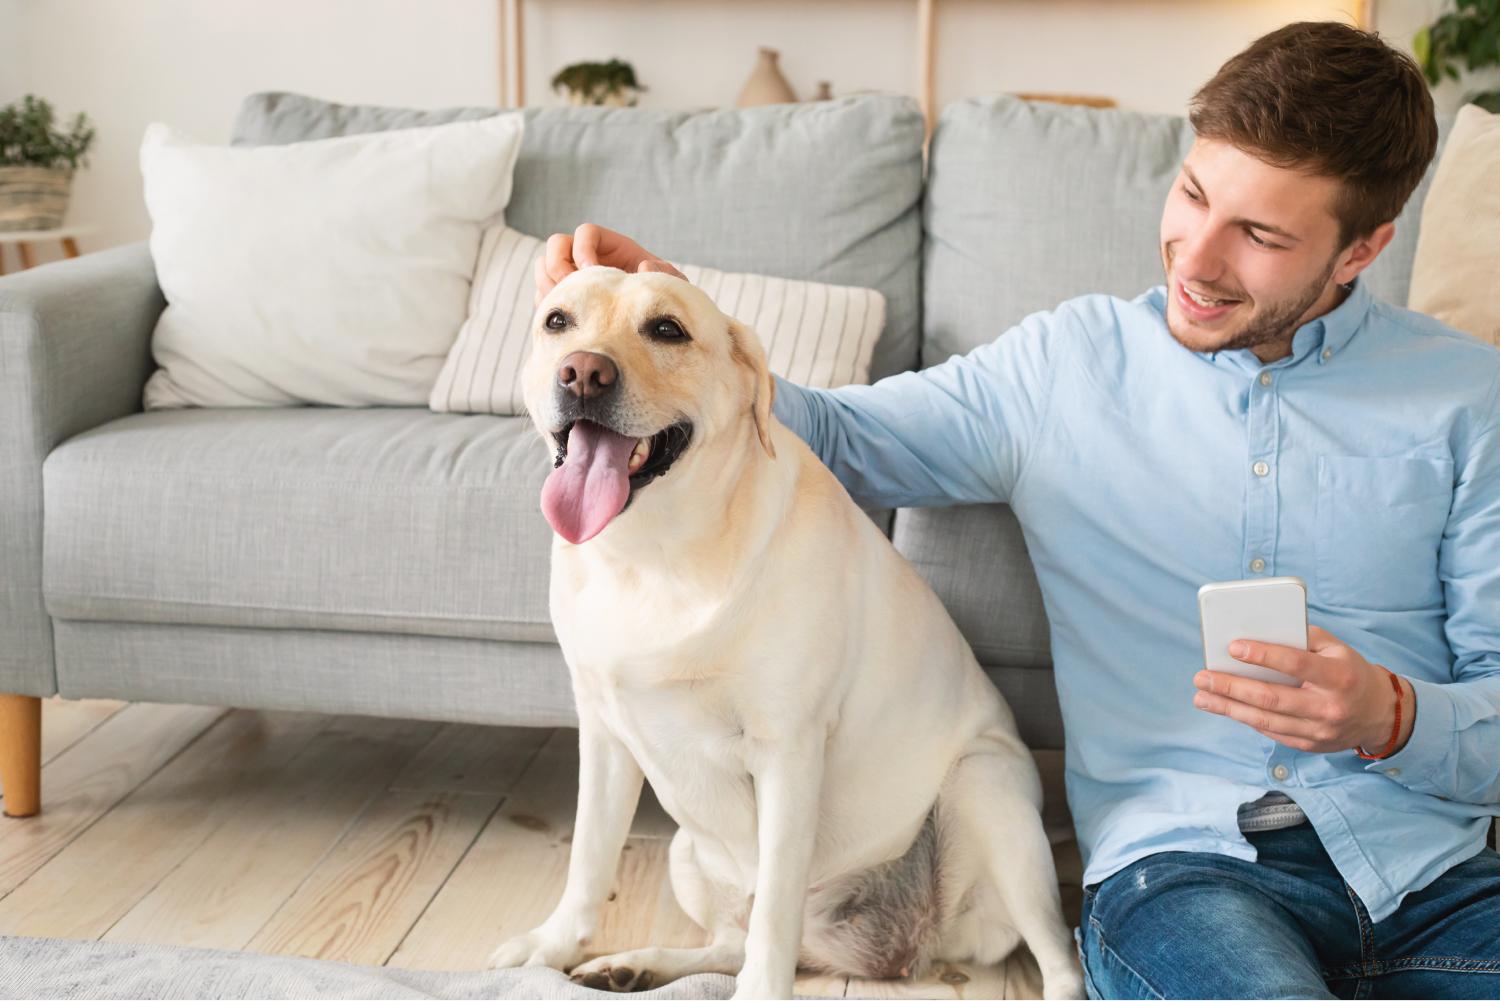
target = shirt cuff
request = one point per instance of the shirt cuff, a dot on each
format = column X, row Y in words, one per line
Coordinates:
column 1431, row 740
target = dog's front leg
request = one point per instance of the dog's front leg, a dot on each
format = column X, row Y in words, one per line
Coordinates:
column 788, row 789
column 609, row 790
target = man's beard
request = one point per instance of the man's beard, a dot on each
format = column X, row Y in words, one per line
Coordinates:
column 1276, row 322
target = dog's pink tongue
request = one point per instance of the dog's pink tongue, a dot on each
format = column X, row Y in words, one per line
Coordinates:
column 591, row 486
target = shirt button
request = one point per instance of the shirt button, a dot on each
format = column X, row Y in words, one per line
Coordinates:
column 1261, row 469
column 1393, row 772
column 1279, row 773
column 1265, row 378
column 1327, row 353
column 1257, row 564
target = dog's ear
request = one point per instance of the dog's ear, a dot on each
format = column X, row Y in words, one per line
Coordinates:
column 746, row 350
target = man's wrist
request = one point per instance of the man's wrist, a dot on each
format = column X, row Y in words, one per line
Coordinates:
column 1408, row 712
column 1376, row 740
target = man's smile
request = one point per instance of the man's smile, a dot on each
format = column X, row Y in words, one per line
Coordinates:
column 1202, row 309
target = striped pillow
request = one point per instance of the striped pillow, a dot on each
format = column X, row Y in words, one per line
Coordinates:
column 814, row 334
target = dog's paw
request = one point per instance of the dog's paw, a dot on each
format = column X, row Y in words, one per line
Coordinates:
column 538, row 947
column 605, row 974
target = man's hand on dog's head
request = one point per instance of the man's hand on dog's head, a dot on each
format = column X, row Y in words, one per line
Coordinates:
column 589, row 245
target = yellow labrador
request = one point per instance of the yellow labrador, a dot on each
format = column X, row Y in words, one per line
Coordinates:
column 851, row 792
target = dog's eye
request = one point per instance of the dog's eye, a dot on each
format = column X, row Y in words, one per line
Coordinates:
column 556, row 320
column 668, row 330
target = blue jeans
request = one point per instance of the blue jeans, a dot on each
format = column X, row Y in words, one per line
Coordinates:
column 1196, row 924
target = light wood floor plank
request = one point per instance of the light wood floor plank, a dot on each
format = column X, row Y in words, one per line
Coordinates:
column 83, row 782
column 364, row 896
column 85, row 888
column 668, row 925
column 512, row 876
column 627, row 918
column 230, row 885
column 468, row 758
column 67, row 721
column 1023, row 977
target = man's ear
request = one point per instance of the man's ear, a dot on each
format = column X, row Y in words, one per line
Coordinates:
column 1362, row 252
column 745, row 348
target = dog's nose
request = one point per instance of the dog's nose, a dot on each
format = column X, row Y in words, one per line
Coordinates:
column 587, row 374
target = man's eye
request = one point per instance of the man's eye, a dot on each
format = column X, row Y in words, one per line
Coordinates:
column 556, row 320
column 1259, row 242
column 1189, row 193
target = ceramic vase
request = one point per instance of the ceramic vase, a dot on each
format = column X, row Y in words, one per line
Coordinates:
column 766, row 84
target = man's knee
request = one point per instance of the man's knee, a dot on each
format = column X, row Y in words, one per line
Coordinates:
column 1189, row 924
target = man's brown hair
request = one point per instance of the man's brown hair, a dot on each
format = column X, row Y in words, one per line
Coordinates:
column 1329, row 99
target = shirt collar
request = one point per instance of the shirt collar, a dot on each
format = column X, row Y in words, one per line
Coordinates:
column 1344, row 320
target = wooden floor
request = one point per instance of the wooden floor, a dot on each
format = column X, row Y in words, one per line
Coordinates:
column 375, row 841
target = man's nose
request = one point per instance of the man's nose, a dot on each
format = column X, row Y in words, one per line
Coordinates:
column 1197, row 257
column 587, row 374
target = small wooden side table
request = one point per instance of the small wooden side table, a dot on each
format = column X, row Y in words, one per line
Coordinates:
column 24, row 238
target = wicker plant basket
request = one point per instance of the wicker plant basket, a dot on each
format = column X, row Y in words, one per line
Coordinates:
column 34, row 197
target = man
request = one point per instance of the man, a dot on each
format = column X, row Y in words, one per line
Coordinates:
column 1258, row 415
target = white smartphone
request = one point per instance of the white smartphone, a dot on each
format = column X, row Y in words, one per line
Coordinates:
column 1267, row 609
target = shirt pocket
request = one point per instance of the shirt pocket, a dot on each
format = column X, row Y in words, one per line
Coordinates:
column 1379, row 524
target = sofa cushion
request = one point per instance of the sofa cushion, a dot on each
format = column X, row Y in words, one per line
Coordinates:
column 975, row 559
column 1457, row 264
column 814, row 334
column 825, row 191
column 355, row 303
column 391, row 520
column 1029, row 204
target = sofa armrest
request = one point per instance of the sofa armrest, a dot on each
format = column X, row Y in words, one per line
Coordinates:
column 75, row 352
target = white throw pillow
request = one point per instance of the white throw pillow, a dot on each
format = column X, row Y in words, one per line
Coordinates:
column 814, row 334
column 1455, row 274
column 334, row 271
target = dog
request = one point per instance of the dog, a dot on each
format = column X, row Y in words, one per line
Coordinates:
column 851, row 793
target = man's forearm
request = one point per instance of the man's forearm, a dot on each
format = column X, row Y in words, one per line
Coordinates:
column 958, row 432
column 790, row 408
column 891, row 444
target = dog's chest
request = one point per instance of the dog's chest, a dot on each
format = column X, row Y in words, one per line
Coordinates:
column 690, row 740
column 625, row 638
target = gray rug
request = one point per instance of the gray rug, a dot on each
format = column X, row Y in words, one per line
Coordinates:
column 71, row 968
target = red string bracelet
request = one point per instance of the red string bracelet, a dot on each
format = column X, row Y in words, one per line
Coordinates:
column 1395, row 728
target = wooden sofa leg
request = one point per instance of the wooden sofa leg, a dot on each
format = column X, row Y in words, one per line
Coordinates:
column 21, row 754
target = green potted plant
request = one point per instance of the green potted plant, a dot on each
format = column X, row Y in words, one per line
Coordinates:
column 612, row 83
column 37, row 160
column 1470, row 32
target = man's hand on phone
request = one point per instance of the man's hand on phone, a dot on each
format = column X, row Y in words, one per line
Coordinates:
column 1344, row 701
column 589, row 245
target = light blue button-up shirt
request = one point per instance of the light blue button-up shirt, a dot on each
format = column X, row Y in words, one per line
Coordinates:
column 1134, row 467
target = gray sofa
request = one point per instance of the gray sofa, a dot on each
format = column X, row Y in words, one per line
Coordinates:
column 394, row 561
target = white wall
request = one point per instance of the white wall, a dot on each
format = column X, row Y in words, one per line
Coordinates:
column 13, row 68
column 188, row 63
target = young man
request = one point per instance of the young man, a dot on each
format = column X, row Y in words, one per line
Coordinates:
column 1258, row 415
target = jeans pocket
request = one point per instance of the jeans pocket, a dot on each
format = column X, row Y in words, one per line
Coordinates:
column 1378, row 525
